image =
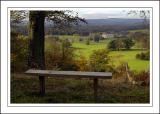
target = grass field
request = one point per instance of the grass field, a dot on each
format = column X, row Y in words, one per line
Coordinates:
column 25, row 89
column 130, row 57
column 116, row 57
column 86, row 50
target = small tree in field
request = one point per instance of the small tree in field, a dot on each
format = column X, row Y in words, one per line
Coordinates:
column 88, row 41
column 128, row 43
column 119, row 44
column 115, row 44
column 112, row 45
column 99, row 60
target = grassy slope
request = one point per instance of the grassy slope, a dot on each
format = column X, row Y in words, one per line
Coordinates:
column 129, row 56
column 25, row 89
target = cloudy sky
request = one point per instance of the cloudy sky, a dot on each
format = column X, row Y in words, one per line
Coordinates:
column 103, row 13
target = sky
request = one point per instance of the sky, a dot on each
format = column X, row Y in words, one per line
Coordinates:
column 104, row 13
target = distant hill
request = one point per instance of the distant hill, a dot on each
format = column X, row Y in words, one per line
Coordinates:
column 115, row 21
column 94, row 25
column 100, row 22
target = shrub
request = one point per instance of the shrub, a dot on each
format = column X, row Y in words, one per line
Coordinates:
column 52, row 54
column 115, row 44
column 99, row 60
column 142, row 38
column 59, row 55
column 143, row 55
column 128, row 43
column 87, row 41
column 82, row 64
column 142, row 77
column 19, row 52
column 112, row 45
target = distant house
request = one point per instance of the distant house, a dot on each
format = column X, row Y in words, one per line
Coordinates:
column 121, row 34
column 107, row 35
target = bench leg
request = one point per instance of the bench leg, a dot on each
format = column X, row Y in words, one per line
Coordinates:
column 95, row 85
column 42, row 85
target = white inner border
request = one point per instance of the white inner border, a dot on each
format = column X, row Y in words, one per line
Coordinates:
column 111, row 107
column 61, row 104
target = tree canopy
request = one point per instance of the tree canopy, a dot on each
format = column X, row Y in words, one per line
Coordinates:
column 60, row 18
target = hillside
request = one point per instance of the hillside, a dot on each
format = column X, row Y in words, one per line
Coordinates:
column 93, row 25
column 115, row 21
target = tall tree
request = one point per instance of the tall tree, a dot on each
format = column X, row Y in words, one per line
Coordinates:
column 61, row 19
column 36, row 35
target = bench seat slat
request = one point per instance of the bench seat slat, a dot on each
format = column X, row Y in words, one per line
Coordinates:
column 70, row 74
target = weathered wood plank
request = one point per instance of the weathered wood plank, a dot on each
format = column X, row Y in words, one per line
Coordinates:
column 70, row 74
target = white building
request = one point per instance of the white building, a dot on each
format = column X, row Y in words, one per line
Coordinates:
column 107, row 35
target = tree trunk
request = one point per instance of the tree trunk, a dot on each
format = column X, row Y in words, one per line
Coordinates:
column 36, row 35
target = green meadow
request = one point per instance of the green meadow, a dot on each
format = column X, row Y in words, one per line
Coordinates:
column 116, row 57
column 86, row 50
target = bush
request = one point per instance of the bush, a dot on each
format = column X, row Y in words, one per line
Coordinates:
column 52, row 54
column 87, row 41
column 19, row 52
column 143, row 77
column 60, row 55
column 112, row 45
column 82, row 64
column 115, row 44
column 128, row 43
column 99, row 60
column 143, row 55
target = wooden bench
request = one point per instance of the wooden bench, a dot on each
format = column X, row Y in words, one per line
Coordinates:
column 70, row 74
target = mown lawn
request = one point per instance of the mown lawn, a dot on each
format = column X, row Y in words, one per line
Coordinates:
column 25, row 89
